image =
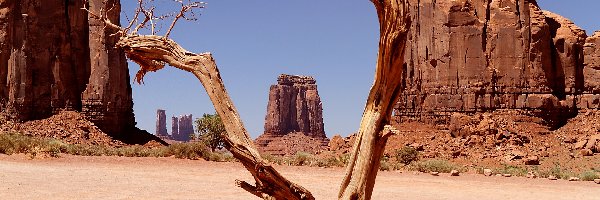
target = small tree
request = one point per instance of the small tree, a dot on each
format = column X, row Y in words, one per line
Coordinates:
column 210, row 130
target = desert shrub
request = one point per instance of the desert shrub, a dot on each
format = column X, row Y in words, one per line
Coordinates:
column 220, row 157
column 16, row 143
column 427, row 166
column 11, row 143
column 588, row 175
column 159, row 152
column 85, row 150
column 275, row 159
column 406, row 155
column 384, row 166
column 55, row 147
column 210, row 130
column 193, row 150
column 556, row 171
column 328, row 161
column 134, row 151
column 512, row 170
column 301, row 158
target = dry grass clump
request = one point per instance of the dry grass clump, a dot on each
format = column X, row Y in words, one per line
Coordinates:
column 11, row 143
column 441, row 166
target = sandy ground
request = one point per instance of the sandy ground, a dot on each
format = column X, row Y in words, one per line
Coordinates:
column 73, row 177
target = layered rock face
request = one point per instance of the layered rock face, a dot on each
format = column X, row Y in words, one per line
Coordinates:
column 161, row 123
column 54, row 57
column 294, row 107
column 477, row 55
column 182, row 127
column 174, row 125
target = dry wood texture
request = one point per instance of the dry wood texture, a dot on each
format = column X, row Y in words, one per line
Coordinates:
column 374, row 130
column 153, row 52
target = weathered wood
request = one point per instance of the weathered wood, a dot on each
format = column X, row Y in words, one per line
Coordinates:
column 152, row 52
column 374, row 130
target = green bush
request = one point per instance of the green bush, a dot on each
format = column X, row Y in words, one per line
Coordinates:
column 558, row 172
column 302, row 158
column 384, row 166
column 85, row 150
column 11, row 143
column 427, row 166
column 329, row 161
column 589, row 175
column 193, row 151
column 17, row 143
column 512, row 170
column 406, row 155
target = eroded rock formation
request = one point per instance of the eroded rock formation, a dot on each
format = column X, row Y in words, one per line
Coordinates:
column 54, row 57
column 174, row 125
column 161, row 123
column 294, row 107
column 474, row 55
column 184, row 126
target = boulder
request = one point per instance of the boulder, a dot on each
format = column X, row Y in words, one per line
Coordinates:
column 586, row 152
column 532, row 160
column 580, row 144
column 487, row 172
column 454, row 173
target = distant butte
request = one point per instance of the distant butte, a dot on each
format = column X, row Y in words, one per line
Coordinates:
column 294, row 117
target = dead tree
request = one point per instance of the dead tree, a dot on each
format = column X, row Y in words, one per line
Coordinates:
column 153, row 52
column 374, row 131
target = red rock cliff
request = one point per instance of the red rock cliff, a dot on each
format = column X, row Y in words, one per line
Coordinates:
column 54, row 57
column 294, row 107
column 480, row 55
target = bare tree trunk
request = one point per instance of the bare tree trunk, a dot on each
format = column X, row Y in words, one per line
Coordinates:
column 152, row 52
column 374, row 127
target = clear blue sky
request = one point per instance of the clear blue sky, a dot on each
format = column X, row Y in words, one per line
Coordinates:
column 254, row 41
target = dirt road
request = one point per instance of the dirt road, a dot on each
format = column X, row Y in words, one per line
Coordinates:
column 73, row 177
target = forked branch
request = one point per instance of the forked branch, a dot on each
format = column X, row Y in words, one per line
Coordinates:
column 152, row 52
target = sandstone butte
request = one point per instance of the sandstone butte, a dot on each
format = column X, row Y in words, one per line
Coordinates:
column 462, row 57
column 294, row 119
column 479, row 56
column 54, row 57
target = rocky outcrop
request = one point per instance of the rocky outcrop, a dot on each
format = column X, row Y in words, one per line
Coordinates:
column 174, row 125
column 472, row 56
column 107, row 99
column 294, row 107
column 54, row 57
column 181, row 127
column 161, row 123
column 184, row 127
column 292, row 143
column 591, row 68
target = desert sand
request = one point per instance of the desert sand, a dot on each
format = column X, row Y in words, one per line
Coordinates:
column 76, row 177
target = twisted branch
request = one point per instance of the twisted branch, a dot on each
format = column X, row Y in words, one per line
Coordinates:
column 152, row 52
